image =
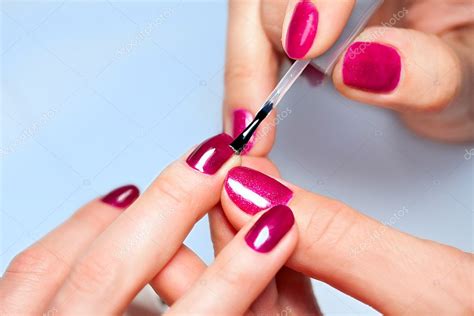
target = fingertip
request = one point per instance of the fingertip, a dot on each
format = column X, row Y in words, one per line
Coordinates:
column 122, row 197
column 271, row 229
column 236, row 119
column 404, row 70
column 312, row 27
column 301, row 28
column 247, row 192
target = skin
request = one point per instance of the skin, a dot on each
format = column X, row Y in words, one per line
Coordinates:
column 97, row 273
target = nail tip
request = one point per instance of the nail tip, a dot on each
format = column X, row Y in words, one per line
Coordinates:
column 209, row 156
column 241, row 118
column 302, row 30
column 270, row 228
column 122, row 197
column 253, row 191
column 372, row 67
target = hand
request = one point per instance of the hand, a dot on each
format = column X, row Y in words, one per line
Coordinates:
column 393, row 272
column 421, row 64
column 100, row 258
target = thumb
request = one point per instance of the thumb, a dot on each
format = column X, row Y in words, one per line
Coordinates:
column 391, row 271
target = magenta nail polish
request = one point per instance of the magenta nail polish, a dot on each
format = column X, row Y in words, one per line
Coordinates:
column 122, row 197
column 371, row 67
column 242, row 118
column 270, row 228
column 253, row 191
column 302, row 29
column 211, row 154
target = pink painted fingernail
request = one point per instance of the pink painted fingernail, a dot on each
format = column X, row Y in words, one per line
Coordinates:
column 270, row 228
column 242, row 118
column 122, row 197
column 253, row 191
column 371, row 67
column 302, row 29
column 209, row 157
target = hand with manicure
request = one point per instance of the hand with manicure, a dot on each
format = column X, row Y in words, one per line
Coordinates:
column 99, row 259
column 393, row 272
column 415, row 58
column 270, row 236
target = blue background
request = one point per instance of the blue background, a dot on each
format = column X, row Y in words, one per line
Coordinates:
column 99, row 94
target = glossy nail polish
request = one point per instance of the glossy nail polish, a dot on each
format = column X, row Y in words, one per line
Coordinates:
column 302, row 29
column 270, row 228
column 122, row 197
column 242, row 118
column 209, row 157
column 253, row 191
column 371, row 67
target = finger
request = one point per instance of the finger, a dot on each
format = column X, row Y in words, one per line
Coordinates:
column 222, row 231
column 366, row 259
column 178, row 276
column 292, row 291
column 401, row 69
column 141, row 241
column 244, row 267
column 35, row 274
column 313, row 26
column 250, row 73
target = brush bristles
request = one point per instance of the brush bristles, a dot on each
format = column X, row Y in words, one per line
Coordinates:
column 242, row 140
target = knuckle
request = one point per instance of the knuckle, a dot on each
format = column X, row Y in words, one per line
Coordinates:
column 34, row 263
column 325, row 233
column 232, row 276
column 90, row 276
column 239, row 72
column 93, row 219
column 172, row 191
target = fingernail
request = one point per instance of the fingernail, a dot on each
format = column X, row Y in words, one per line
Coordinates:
column 302, row 29
column 270, row 228
column 372, row 67
column 209, row 157
column 253, row 191
column 242, row 118
column 122, row 197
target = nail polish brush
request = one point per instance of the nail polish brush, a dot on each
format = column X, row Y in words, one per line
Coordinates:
column 361, row 13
